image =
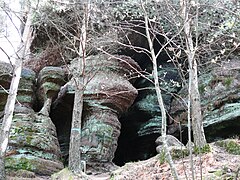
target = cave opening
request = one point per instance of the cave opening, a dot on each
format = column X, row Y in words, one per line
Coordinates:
column 132, row 147
column 141, row 125
column 139, row 128
column 61, row 116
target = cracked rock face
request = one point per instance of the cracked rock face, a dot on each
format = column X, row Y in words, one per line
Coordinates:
column 220, row 101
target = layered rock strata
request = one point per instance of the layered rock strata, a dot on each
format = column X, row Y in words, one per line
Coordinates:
column 142, row 123
column 50, row 79
column 108, row 95
column 33, row 146
column 5, row 80
column 219, row 90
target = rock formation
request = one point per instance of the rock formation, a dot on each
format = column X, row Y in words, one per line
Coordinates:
column 50, row 79
column 142, row 123
column 35, row 137
column 219, row 91
column 33, row 144
column 107, row 95
column 5, row 80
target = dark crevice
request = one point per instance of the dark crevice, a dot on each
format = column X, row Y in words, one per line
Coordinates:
column 133, row 146
column 61, row 116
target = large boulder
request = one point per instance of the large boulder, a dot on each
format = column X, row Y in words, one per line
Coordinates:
column 220, row 100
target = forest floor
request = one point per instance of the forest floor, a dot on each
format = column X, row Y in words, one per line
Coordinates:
column 217, row 164
column 220, row 163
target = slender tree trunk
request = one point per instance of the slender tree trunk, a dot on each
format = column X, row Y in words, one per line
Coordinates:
column 195, row 103
column 197, row 124
column 8, row 115
column 75, row 137
column 160, row 100
column 9, row 107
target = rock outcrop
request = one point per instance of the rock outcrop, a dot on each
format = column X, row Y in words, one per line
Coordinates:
column 220, row 101
column 33, row 145
column 50, row 79
column 142, row 123
column 108, row 94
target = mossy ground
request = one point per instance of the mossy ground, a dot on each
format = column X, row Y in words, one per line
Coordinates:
column 230, row 145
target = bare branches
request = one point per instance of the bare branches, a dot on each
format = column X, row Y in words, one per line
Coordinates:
column 9, row 59
column 9, row 108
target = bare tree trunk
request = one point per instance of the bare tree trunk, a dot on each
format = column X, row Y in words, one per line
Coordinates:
column 197, row 124
column 9, row 107
column 75, row 137
column 196, row 111
column 160, row 100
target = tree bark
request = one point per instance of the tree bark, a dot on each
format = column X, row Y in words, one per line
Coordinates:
column 160, row 100
column 9, row 107
column 195, row 103
column 197, row 124
column 75, row 137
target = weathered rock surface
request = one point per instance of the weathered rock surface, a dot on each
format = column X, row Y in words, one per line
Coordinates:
column 142, row 123
column 33, row 144
column 50, row 79
column 147, row 102
column 5, row 81
column 26, row 95
column 220, row 100
column 175, row 147
column 107, row 95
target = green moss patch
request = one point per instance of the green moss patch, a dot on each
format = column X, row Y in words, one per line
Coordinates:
column 19, row 163
column 230, row 145
column 203, row 150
